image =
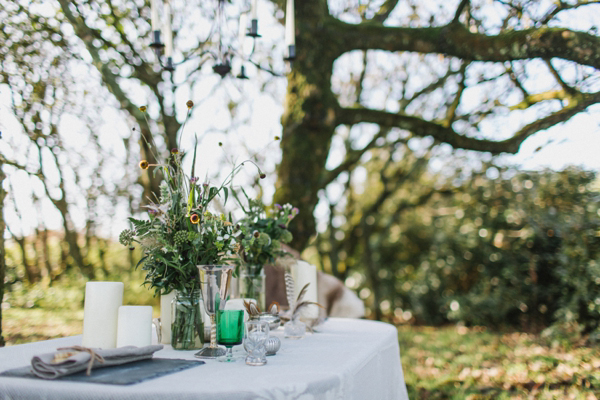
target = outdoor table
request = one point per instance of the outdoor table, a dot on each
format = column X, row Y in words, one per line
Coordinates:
column 345, row 359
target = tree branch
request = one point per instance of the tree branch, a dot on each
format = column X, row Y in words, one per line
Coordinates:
column 421, row 127
column 561, row 6
column 456, row 40
column 459, row 11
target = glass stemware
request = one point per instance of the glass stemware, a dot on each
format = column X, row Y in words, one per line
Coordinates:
column 255, row 342
column 230, row 332
column 214, row 284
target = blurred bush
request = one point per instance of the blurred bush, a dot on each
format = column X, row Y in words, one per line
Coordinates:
column 501, row 248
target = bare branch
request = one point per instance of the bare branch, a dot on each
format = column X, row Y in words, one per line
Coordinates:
column 456, row 40
column 421, row 127
column 562, row 6
column 459, row 10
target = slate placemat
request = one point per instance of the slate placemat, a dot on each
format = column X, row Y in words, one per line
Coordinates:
column 125, row 374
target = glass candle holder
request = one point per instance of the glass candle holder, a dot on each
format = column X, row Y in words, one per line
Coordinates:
column 255, row 342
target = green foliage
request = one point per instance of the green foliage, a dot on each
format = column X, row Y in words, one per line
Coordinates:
column 521, row 250
column 263, row 232
column 181, row 233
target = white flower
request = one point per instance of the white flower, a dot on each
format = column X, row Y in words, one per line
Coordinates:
column 226, row 237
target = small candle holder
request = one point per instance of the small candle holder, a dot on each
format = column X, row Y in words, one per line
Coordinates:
column 253, row 32
column 294, row 329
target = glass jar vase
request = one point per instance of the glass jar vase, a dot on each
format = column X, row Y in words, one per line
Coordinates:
column 187, row 328
column 252, row 284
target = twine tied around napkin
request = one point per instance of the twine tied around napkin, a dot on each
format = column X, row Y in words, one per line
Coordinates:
column 70, row 360
column 93, row 356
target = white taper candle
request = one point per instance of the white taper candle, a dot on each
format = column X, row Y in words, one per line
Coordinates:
column 100, row 314
column 243, row 30
column 154, row 15
column 290, row 24
column 168, row 31
column 254, row 10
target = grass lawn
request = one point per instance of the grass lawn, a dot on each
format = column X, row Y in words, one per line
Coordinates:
column 438, row 363
column 461, row 363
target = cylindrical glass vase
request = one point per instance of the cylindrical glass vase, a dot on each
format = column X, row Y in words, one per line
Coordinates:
column 252, row 284
column 187, row 328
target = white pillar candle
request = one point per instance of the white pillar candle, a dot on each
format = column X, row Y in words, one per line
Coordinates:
column 134, row 326
column 166, row 317
column 238, row 304
column 304, row 273
column 154, row 15
column 290, row 25
column 100, row 313
column 168, row 31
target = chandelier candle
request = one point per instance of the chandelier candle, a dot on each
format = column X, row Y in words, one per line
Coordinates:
column 100, row 314
column 168, row 35
column 290, row 26
column 154, row 15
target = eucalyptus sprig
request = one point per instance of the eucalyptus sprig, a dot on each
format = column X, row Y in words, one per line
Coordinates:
column 263, row 230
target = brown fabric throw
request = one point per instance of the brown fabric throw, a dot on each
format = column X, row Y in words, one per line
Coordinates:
column 70, row 360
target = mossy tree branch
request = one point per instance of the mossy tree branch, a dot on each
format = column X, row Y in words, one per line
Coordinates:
column 457, row 41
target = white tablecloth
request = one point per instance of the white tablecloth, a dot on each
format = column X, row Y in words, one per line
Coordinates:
column 346, row 359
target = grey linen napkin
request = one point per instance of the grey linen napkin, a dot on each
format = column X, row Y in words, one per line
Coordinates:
column 49, row 366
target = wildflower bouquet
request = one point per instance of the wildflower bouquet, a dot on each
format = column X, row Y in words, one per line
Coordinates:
column 181, row 232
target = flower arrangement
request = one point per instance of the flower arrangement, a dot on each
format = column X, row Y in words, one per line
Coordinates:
column 263, row 232
column 182, row 231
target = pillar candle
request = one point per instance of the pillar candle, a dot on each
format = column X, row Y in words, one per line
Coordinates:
column 165, row 316
column 304, row 273
column 238, row 304
column 290, row 25
column 100, row 313
column 134, row 326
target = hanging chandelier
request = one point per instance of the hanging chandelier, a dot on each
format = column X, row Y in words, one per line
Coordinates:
column 221, row 52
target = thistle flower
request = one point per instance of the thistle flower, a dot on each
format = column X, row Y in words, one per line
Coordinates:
column 144, row 164
column 194, row 218
column 278, row 206
column 295, row 211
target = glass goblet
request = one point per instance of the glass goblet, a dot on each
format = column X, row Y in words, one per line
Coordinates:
column 255, row 342
column 230, row 332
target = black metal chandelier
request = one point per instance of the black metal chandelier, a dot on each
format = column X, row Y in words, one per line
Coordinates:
column 221, row 53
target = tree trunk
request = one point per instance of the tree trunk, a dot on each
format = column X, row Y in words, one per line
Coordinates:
column 2, row 255
column 32, row 273
column 308, row 120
